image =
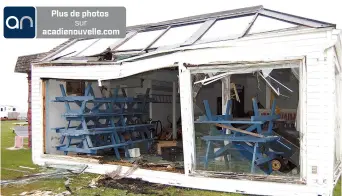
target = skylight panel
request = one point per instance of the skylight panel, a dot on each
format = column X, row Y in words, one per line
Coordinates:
column 75, row 48
column 232, row 27
column 141, row 40
column 99, row 46
column 264, row 24
column 177, row 35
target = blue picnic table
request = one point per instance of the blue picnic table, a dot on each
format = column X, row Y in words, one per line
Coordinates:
column 252, row 142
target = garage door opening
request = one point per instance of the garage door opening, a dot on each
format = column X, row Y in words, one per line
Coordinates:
column 129, row 121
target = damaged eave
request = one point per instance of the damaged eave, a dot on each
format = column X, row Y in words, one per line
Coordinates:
column 119, row 59
column 221, row 66
column 73, row 63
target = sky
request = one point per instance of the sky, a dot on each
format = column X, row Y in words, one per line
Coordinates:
column 13, row 86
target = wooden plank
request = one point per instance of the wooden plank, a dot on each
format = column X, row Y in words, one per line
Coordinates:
column 188, row 133
column 240, row 130
column 246, row 138
column 161, row 144
column 229, row 122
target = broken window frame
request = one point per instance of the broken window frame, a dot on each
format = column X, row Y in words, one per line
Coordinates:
column 186, row 80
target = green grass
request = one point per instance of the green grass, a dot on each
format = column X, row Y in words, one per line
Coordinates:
column 337, row 190
column 12, row 159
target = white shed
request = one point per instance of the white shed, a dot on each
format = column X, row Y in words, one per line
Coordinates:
column 87, row 99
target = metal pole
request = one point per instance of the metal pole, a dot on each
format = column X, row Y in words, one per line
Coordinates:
column 174, row 121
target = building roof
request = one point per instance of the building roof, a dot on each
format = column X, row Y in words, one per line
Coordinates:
column 160, row 38
column 23, row 64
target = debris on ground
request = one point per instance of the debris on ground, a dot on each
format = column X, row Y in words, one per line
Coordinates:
column 136, row 186
column 76, row 169
column 16, row 170
column 66, row 185
column 24, row 167
column 117, row 180
column 44, row 193
column 34, row 177
column 55, row 173
column 115, row 175
column 146, row 163
column 93, row 183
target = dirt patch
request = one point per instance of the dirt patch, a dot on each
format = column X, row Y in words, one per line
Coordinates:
column 136, row 186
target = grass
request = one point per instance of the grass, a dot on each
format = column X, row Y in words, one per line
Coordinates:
column 337, row 189
column 12, row 159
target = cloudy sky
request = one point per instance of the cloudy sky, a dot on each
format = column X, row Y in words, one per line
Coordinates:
column 13, row 86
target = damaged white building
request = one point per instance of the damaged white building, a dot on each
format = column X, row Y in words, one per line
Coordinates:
column 246, row 101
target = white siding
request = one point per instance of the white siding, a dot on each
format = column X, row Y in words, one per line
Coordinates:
column 320, row 121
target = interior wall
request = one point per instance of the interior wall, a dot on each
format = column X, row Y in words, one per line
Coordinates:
column 214, row 90
column 254, row 86
column 55, row 110
column 53, row 117
column 209, row 92
column 159, row 111
column 289, row 80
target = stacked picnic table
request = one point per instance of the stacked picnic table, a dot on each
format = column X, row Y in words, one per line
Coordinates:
column 256, row 145
column 103, row 122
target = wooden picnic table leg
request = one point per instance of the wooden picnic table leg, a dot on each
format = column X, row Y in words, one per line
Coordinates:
column 255, row 151
column 226, row 161
column 206, row 160
column 112, row 138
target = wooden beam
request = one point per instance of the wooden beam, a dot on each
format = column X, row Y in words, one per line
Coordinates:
column 240, row 130
column 187, row 113
column 44, row 114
